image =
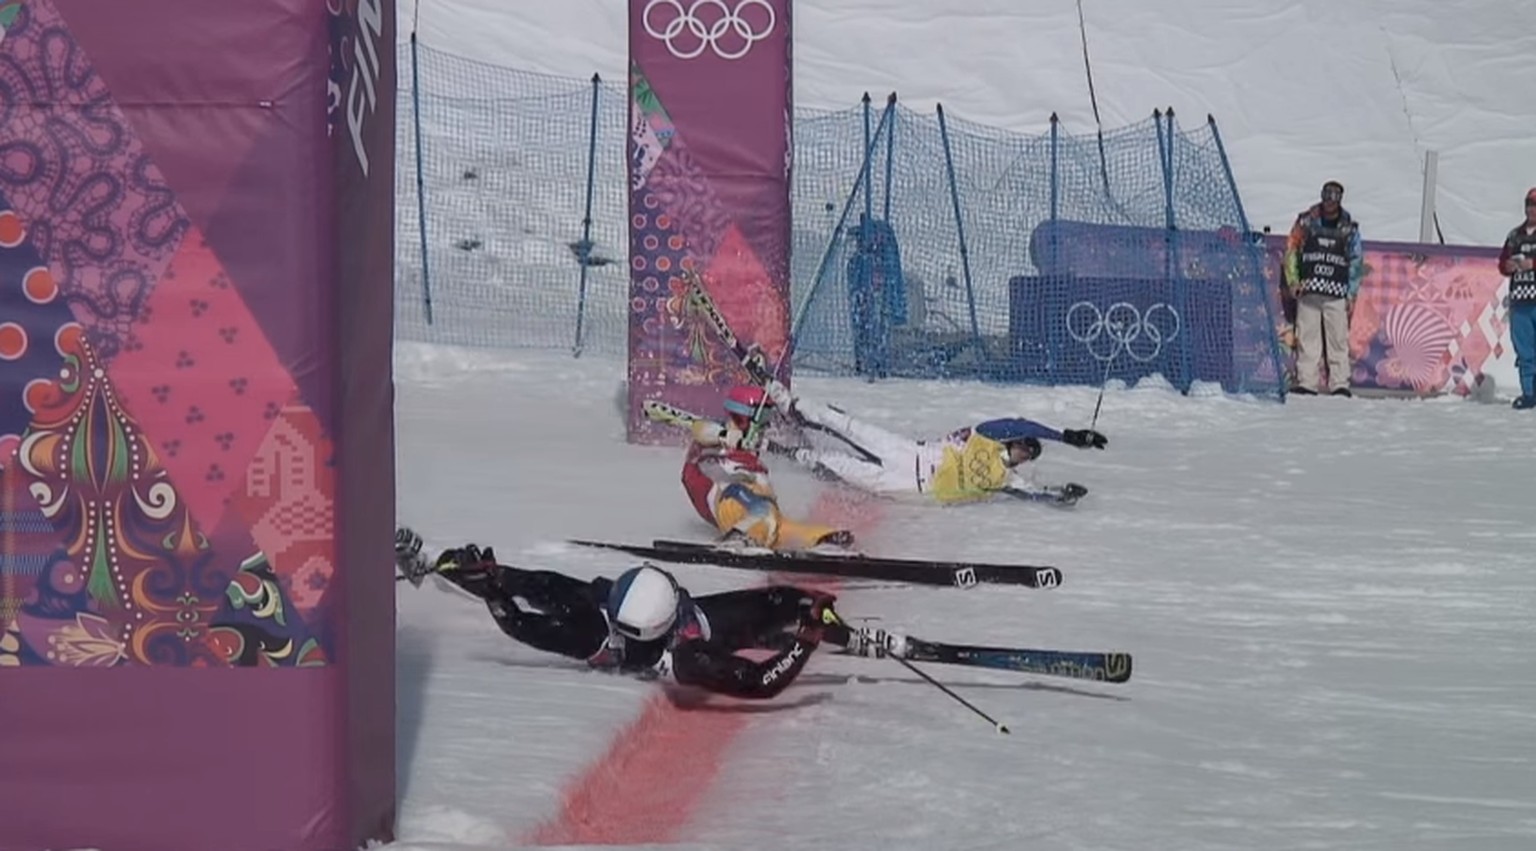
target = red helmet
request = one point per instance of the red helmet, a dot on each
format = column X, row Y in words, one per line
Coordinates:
column 745, row 400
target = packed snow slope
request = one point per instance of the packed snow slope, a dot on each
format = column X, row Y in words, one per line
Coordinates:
column 1304, row 91
column 1329, row 602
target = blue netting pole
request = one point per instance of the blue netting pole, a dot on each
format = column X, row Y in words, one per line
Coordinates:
column 869, row 199
column 1171, row 267
column 965, row 254
column 890, row 161
column 584, row 248
column 421, row 192
column 1252, row 252
column 837, row 234
column 1054, row 335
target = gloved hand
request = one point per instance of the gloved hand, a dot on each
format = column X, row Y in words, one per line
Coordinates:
column 810, row 633
column 1084, row 439
column 732, row 437
column 816, row 610
column 779, row 394
column 466, row 558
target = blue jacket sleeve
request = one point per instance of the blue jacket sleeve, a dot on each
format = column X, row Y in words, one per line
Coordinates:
column 1016, row 428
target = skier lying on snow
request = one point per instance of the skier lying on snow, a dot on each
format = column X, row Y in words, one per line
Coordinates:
column 967, row 465
column 643, row 623
column 728, row 485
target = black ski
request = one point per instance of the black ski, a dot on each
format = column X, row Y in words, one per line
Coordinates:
column 1103, row 667
column 855, row 566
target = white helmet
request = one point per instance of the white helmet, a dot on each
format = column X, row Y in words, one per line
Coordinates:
column 643, row 603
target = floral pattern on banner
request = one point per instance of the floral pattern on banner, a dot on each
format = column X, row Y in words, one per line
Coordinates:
column 205, row 381
column 98, row 210
column 674, row 349
column 685, row 194
column 1426, row 323
column 288, row 497
column 650, row 130
column 256, row 627
column 1422, row 324
column 136, row 581
column 747, row 298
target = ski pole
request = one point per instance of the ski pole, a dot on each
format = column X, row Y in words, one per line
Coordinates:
column 830, row 616
column 1000, row 727
column 1107, row 364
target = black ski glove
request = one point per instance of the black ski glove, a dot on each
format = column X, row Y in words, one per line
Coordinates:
column 1084, row 439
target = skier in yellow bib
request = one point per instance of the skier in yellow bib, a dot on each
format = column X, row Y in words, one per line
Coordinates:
column 967, row 465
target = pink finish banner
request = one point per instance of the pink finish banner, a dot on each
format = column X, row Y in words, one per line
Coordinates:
column 1429, row 320
column 196, row 482
column 709, row 167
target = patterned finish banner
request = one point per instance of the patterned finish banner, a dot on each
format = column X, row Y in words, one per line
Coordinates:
column 1429, row 320
column 194, row 403
column 709, row 158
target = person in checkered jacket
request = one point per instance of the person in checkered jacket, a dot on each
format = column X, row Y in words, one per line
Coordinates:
column 1324, row 262
column 1518, row 261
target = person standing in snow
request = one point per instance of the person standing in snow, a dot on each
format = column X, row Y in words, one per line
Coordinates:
column 644, row 624
column 1518, row 261
column 1324, row 262
column 728, row 485
column 966, row 465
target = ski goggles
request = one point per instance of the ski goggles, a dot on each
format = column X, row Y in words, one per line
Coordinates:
column 1030, row 445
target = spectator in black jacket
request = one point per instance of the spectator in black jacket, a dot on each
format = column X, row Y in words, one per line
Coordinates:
column 1518, row 261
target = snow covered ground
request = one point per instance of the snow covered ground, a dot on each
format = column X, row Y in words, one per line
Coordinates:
column 1329, row 603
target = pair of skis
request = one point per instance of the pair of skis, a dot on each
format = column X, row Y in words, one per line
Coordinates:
column 1084, row 665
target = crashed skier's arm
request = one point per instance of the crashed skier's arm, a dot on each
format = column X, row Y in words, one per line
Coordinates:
column 713, row 666
column 1016, row 428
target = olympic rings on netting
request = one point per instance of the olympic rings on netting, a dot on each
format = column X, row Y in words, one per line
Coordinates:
column 1123, row 327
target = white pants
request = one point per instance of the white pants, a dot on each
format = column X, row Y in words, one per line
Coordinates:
column 1322, row 324
column 895, row 471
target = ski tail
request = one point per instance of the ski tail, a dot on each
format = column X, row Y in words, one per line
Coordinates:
column 1099, row 666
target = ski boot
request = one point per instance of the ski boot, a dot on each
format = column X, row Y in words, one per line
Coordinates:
column 409, row 560
column 469, row 567
column 876, row 643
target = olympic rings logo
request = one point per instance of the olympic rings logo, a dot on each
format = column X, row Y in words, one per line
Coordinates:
column 1124, row 327
column 708, row 35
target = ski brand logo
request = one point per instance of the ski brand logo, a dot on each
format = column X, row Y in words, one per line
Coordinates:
column 1046, row 578
column 965, row 577
column 362, row 89
column 783, row 665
